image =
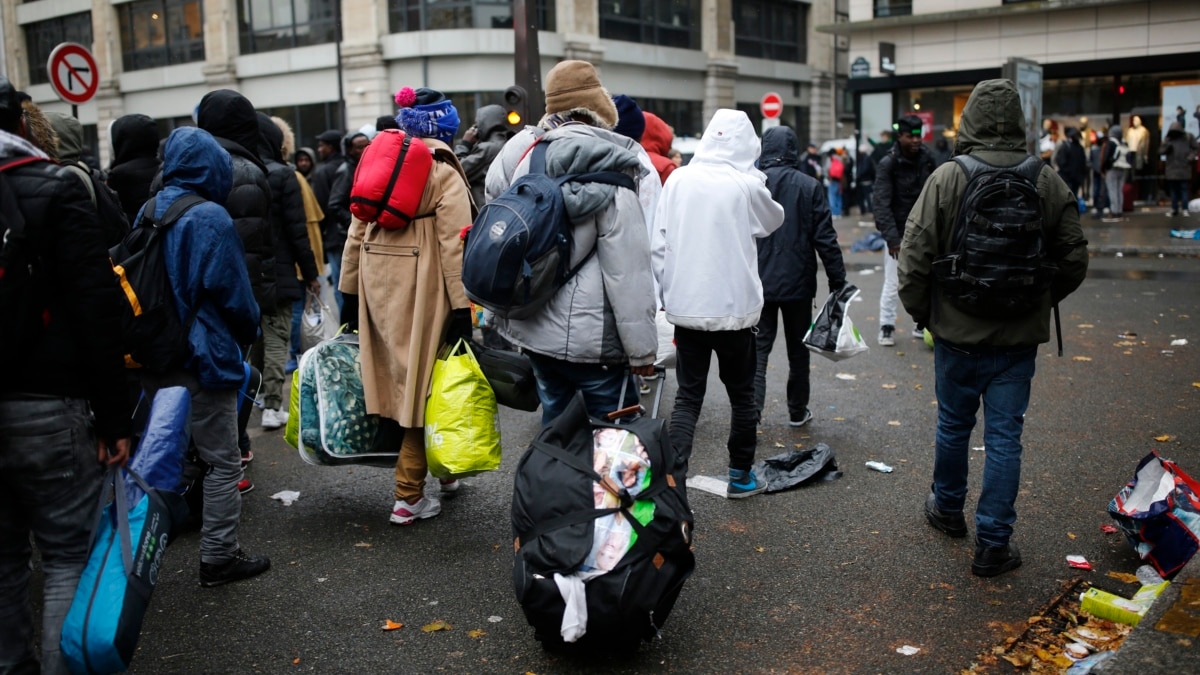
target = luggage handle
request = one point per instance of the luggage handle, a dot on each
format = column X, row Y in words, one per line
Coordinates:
column 615, row 415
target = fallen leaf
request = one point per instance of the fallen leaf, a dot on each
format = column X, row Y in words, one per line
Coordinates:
column 296, row 661
column 779, row 445
column 436, row 626
column 1085, row 325
column 1071, row 535
column 1163, row 439
column 1079, row 358
column 843, row 419
column 995, row 603
column 1196, row 385
column 362, row 544
column 391, row 625
column 1124, row 577
column 800, row 445
column 760, row 549
column 894, row 423
column 1019, row 660
column 476, row 634
column 917, row 387
column 1043, row 655
column 889, row 386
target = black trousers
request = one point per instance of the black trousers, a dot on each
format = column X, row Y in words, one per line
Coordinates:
column 797, row 317
column 736, row 360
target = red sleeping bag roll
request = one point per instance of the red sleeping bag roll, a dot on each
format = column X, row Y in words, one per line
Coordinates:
column 390, row 179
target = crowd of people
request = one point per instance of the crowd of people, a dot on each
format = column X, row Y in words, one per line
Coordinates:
column 273, row 220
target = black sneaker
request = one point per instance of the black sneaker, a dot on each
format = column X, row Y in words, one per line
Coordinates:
column 804, row 419
column 952, row 524
column 994, row 560
column 240, row 566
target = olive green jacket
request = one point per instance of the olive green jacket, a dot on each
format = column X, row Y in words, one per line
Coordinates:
column 992, row 129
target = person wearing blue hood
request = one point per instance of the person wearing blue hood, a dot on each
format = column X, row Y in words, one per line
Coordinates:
column 207, row 270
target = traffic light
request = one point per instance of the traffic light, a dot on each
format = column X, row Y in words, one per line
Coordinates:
column 516, row 101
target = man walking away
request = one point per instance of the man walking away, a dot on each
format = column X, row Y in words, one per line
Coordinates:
column 787, row 265
column 479, row 146
column 979, row 357
column 329, row 148
column 64, row 414
column 709, row 216
column 204, row 262
column 135, row 161
column 899, row 176
column 602, row 320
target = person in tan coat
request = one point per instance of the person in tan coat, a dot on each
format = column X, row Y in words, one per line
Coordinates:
column 407, row 288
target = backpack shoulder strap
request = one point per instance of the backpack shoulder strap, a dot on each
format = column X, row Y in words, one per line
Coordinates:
column 1031, row 168
column 173, row 213
column 972, row 166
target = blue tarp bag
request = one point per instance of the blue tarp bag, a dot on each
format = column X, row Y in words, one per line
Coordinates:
column 518, row 253
column 131, row 535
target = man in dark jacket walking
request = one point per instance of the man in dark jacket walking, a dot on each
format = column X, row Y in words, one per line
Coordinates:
column 984, row 358
column 135, row 161
column 64, row 414
column 1071, row 160
column 333, row 235
column 479, row 146
column 787, row 266
column 289, row 229
column 899, row 176
column 337, row 215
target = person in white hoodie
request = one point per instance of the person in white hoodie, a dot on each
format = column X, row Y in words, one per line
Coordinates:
column 705, row 260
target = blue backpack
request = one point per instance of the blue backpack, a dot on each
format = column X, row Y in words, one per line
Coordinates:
column 518, row 252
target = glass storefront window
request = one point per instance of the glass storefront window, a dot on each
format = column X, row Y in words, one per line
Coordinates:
column 269, row 25
column 308, row 120
column 682, row 116
column 160, row 33
column 414, row 15
column 669, row 23
column 42, row 37
column 770, row 29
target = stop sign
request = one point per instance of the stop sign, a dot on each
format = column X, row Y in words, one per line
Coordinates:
column 771, row 105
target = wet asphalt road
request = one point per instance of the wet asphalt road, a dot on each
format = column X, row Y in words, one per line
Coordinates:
column 829, row 578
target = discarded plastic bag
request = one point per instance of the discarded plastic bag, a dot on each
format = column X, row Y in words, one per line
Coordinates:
column 795, row 468
column 462, row 433
column 833, row 334
column 666, row 341
column 317, row 322
column 1159, row 512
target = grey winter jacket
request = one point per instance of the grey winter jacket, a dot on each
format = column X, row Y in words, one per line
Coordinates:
column 605, row 313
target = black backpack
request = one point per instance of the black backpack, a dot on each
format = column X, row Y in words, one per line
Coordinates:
column 154, row 337
column 556, row 522
column 21, row 299
column 518, row 253
column 998, row 267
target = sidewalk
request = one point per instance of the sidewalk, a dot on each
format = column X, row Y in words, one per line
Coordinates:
column 1173, row 644
column 1144, row 231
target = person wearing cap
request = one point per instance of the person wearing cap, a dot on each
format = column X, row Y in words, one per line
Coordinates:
column 64, row 413
column 329, row 148
column 899, row 176
column 710, row 217
column 602, row 320
column 631, row 123
column 355, row 145
column 407, row 305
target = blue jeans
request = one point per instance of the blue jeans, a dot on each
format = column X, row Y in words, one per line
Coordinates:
column 297, row 310
column 1001, row 378
column 558, row 380
column 49, row 485
column 797, row 316
column 834, row 190
column 1099, row 193
column 335, row 270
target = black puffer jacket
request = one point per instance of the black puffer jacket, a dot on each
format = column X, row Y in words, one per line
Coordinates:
column 898, row 183
column 289, row 226
column 79, row 354
column 135, row 161
column 787, row 260
column 333, row 235
column 231, row 119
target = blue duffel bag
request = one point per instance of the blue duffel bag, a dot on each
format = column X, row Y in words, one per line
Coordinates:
column 131, row 535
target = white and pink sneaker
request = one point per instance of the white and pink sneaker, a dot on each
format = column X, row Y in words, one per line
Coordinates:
column 448, row 485
column 404, row 513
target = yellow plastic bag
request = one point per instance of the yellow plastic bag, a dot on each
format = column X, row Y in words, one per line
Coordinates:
column 462, row 428
column 291, row 433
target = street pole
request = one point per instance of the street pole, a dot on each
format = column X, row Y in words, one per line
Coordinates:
column 341, row 86
column 527, row 57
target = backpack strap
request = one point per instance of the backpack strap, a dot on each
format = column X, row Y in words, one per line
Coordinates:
column 173, row 213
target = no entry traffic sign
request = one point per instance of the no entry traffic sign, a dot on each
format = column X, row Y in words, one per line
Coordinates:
column 73, row 73
column 771, row 105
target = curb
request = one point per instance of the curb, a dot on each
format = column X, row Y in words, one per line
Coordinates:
column 1149, row 649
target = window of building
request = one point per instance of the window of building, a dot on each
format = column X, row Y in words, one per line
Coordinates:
column 669, row 23
column 161, row 33
column 414, row 15
column 268, row 25
column 309, row 120
column 771, row 29
column 42, row 37
column 893, row 8
column 685, row 117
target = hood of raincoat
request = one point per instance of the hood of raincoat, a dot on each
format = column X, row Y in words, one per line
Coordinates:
column 992, row 119
column 780, row 147
column 270, row 141
column 729, row 139
column 228, row 115
column 133, row 136
column 657, row 137
column 490, row 119
column 197, row 163
column 70, row 136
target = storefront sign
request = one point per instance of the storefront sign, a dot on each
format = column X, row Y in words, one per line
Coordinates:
column 860, row 68
column 887, row 58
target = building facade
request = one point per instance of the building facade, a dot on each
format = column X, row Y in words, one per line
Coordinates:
column 1102, row 62
column 681, row 59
